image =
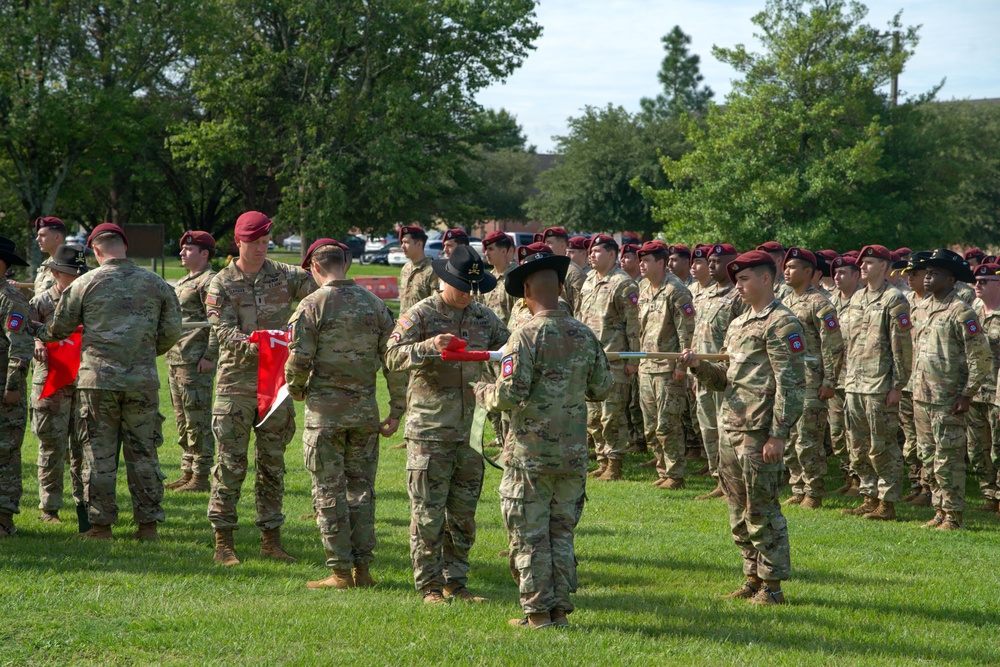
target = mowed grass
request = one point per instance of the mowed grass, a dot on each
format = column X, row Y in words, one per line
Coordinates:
column 862, row 593
column 173, row 271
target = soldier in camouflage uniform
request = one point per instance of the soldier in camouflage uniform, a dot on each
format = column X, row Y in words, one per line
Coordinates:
column 552, row 365
column 499, row 254
column 764, row 383
column 680, row 265
column 952, row 359
column 558, row 239
column 700, row 270
column 984, row 415
column 717, row 306
column 846, row 276
column 252, row 293
column 920, row 490
column 444, row 474
column 190, row 364
column 52, row 417
column 130, row 316
column 50, row 233
column 416, row 280
column 608, row 306
column 878, row 362
column 635, row 430
column 805, row 457
column 777, row 253
column 338, row 341
column 666, row 324
column 15, row 354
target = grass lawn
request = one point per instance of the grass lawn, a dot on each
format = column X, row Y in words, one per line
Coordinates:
column 174, row 271
column 862, row 593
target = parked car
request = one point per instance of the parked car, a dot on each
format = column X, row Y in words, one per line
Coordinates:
column 292, row 243
column 376, row 243
column 380, row 256
column 521, row 238
column 397, row 258
column 356, row 244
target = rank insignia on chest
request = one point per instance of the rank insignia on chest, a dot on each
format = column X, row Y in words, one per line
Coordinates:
column 795, row 343
column 688, row 309
column 831, row 322
column 972, row 327
column 405, row 322
column 507, row 366
column 211, row 300
column 634, row 298
column 904, row 320
column 15, row 321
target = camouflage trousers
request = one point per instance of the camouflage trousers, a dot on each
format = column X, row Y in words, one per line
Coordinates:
column 541, row 513
column 54, row 424
column 876, row 457
column 983, row 434
column 911, row 461
column 709, row 405
column 941, row 443
column 606, row 422
column 805, row 457
column 191, row 396
column 12, row 423
column 343, row 463
column 444, row 481
column 634, row 419
column 664, row 402
column 132, row 420
column 689, row 419
column 233, row 418
column 755, row 519
column 838, row 430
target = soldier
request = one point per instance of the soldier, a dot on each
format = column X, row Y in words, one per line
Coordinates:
column 499, row 252
column 629, row 261
column 250, row 294
column 666, row 324
column 578, row 253
column 416, row 280
column 715, row 308
column 451, row 240
column 129, row 316
column 444, row 474
column 983, row 432
column 608, row 306
column 50, row 233
column 974, row 256
column 847, row 278
column 777, row 253
column 805, row 457
column 52, row 417
column 764, row 381
column 951, row 360
column 190, row 364
column 699, row 270
column 878, row 362
column 913, row 273
column 15, row 354
column 558, row 239
column 680, row 263
column 552, row 365
column 823, row 281
column 337, row 346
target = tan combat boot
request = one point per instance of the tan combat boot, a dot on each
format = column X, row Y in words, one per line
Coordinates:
column 796, row 499
column 180, row 481
column 50, row 516
column 855, row 489
column 363, row 577
column 651, row 463
column 811, row 503
column 935, row 521
column 6, row 525
column 885, row 512
column 98, row 533
column 952, row 521
column 846, row 486
column 197, row 484
column 147, row 532
column 602, row 465
column 746, row 591
column 922, row 500
column 460, row 592
column 991, row 505
column 717, row 492
column 657, row 482
column 225, row 552
column 671, row 484
column 869, row 505
column 432, row 595
column 613, row 473
column 770, row 594
column 270, row 546
column 532, row 621
column 559, row 618
column 340, row 580
column 401, row 445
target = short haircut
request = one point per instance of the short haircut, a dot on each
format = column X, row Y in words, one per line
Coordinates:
column 611, row 245
column 330, row 257
column 210, row 249
column 416, row 235
column 108, row 241
column 659, row 255
column 769, row 269
column 546, row 280
column 504, row 243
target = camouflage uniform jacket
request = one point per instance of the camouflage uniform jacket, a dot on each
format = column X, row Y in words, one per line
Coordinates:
column 716, row 308
column 43, row 307
column 417, row 281
column 765, row 376
column 666, row 322
column 194, row 344
column 16, row 344
column 521, row 315
column 238, row 305
column 440, row 402
column 575, row 277
column 498, row 300
column 990, row 322
column 918, row 319
column 129, row 315
column 965, row 292
column 781, row 288
column 608, row 307
column 824, row 341
column 553, row 365
column 952, row 356
column 44, row 279
column 338, row 342
column 879, row 351
column 840, row 302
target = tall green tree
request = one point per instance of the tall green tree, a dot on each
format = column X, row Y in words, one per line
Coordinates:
column 681, row 79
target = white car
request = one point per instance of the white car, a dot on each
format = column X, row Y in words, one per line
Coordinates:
column 397, row 258
column 292, row 243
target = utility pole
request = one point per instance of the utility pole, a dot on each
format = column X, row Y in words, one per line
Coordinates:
column 895, row 70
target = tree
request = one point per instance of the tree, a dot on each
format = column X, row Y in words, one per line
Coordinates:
column 809, row 149
column 680, row 77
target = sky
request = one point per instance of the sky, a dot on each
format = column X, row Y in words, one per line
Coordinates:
column 595, row 52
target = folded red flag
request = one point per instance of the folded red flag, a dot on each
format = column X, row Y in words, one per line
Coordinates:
column 63, row 359
column 478, row 355
column 272, row 353
column 456, row 344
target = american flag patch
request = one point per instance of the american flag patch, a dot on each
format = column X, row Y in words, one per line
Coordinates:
column 405, row 322
column 211, row 300
column 795, row 343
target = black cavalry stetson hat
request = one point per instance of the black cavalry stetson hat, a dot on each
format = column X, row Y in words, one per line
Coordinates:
column 465, row 270
column 534, row 258
column 8, row 254
column 953, row 262
column 68, row 259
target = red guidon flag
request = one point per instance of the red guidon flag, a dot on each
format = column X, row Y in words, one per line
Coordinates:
column 63, row 360
column 272, row 352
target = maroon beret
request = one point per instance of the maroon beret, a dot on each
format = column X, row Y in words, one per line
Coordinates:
column 843, row 261
column 537, row 238
column 106, row 228
column 649, row 247
column 851, row 254
column 990, row 259
column 197, row 238
column 903, row 251
column 722, row 249
column 628, row 248
column 533, row 249
column 828, row 255
column 973, row 253
column 251, row 226
column 411, row 229
column 748, row 260
column 894, row 256
column 987, row 269
column 457, row 235
column 771, row 246
column 319, row 243
column 701, row 251
column 493, row 237
column 558, row 232
column 49, row 221
column 600, row 239
column 876, row 251
column 578, row 242
column 680, row 249
column 803, row 254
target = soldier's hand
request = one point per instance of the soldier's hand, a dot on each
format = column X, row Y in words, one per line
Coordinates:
column 961, row 405
column 689, row 358
column 388, row 427
column 41, row 352
column 204, row 365
column 11, row 397
column 892, row 398
column 441, row 341
column 631, row 369
column 825, row 393
column 774, row 448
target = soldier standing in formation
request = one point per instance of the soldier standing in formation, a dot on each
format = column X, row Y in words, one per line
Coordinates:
column 50, row 233
column 451, row 239
column 499, row 254
column 984, row 415
column 777, row 253
column 416, row 280
column 634, row 429
column 191, row 363
column 920, row 490
column 764, row 382
column 252, row 293
column 129, row 317
column 847, row 278
column 558, row 239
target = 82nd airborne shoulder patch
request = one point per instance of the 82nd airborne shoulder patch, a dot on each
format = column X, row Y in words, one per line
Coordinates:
column 507, row 366
column 904, row 320
column 15, row 321
column 687, row 309
column 795, row 343
column 831, row 322
column 972, row 327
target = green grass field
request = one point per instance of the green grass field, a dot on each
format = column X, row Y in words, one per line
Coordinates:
column 862, row 593
column 174, row 271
